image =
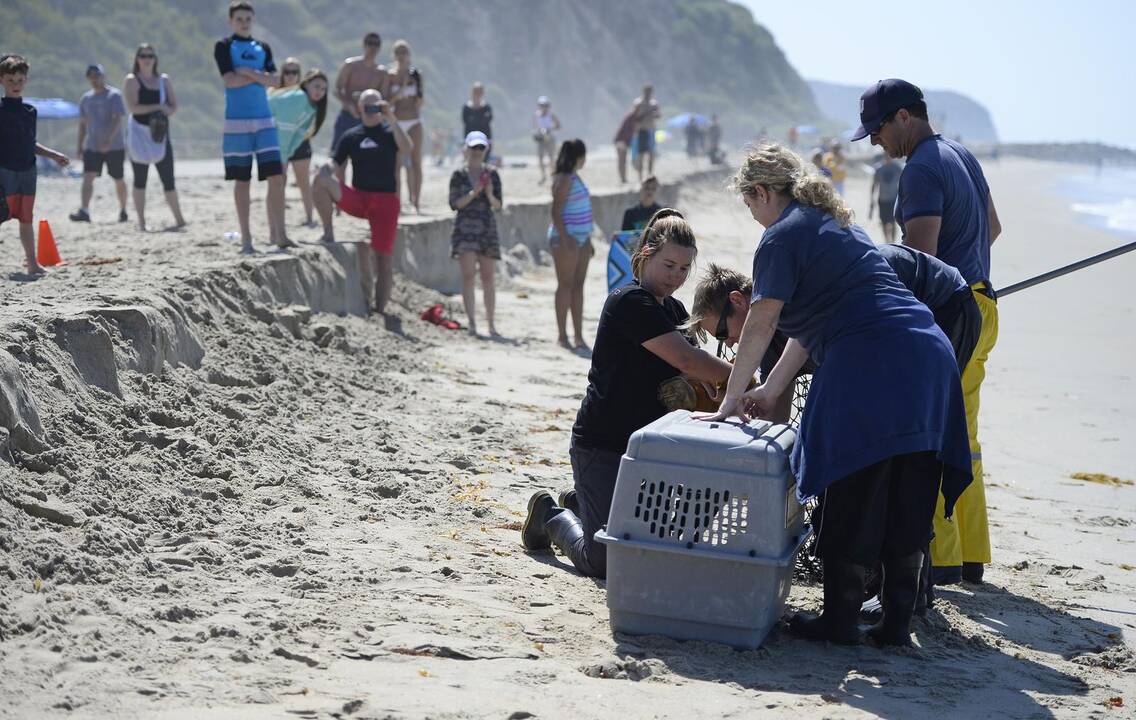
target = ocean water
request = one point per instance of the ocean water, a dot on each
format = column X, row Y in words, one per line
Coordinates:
column 1105, row 199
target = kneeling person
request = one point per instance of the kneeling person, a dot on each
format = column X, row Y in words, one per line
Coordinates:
column 639, row 352
column 372, row 149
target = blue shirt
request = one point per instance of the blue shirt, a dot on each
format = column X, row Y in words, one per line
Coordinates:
column 251, row 101
column 930, row 280
column 888, row 382
column 942, row 179
column 825, row 274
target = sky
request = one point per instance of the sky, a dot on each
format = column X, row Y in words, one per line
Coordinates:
column 1047, row 71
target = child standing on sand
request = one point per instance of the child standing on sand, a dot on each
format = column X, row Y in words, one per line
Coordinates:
column 18, row 150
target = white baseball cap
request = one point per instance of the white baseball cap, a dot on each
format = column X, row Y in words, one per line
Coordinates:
column 543, row 100
column 476, row 138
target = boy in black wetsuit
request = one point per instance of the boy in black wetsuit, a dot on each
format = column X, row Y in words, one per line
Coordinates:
column 636, row 218
column 18, row 151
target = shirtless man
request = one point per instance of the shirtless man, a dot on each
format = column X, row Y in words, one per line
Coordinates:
column 646, row 109
column 356, row 75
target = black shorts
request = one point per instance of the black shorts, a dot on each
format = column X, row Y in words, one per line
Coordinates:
column 93, row 162
column 887, row 211
column 304, row 152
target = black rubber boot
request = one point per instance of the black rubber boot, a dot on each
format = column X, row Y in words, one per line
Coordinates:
column 972, row 572
column 569, row 500
column 843, row 595
column 900, row 591
column 533, row 534
column 566, row 532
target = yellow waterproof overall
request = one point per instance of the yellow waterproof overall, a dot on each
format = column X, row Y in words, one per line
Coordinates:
column 966, row 536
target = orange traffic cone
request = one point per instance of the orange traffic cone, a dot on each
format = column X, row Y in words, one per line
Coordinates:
column 46, row 252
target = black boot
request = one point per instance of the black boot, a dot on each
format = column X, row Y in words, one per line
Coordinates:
column 900, row 591
column 972, row 572
column 843, row 594
column 533, row 534
column 569, row 500
column 566, row 532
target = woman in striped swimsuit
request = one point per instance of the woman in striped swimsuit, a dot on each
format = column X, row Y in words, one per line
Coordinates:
column 569, row 234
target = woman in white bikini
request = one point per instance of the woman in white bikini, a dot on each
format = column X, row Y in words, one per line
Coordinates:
column 405, row 92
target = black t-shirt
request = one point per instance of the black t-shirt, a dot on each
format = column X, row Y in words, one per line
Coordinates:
column 623, row 384
column 477, row 119
column 636, row 218
column 930, row 280
column 17, row 135
column 372, row 151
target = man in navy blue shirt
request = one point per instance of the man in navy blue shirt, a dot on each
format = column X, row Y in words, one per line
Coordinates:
column 945, row 209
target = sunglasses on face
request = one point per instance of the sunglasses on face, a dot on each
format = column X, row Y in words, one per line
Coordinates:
column 290, row 71
column 477, row 147
column 372, row 109
column 372, row 43
column 147, row 56
column 722, row 332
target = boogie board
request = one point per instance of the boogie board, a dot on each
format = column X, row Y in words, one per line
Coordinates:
column 619, row 259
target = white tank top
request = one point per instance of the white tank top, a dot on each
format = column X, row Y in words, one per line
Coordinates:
column 544, row 122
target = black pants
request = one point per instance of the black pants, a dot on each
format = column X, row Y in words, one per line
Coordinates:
column 881, row 511
column 961, row 321
column 594, row 473
column 165, row 170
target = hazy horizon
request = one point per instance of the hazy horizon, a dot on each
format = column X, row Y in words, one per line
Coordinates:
column 1046, row 71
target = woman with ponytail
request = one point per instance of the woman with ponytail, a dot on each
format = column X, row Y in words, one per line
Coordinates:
column 639, row 353
column 884, row 423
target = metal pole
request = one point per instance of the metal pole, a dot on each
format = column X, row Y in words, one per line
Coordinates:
column 1065, row 270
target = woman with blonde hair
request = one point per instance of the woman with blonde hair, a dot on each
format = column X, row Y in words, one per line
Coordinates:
column 404, row 91
column 300, row 107
column 884, row 423
column 150, row 98
column 639, row 354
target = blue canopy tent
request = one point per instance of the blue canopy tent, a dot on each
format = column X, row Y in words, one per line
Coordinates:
column 683, row 119
column 52, row 133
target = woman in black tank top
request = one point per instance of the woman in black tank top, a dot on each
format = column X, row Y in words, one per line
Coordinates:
column 143, row 90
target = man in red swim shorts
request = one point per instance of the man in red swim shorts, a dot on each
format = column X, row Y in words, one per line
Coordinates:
column 372, row 148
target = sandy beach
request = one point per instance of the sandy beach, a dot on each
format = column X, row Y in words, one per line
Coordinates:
column 321, row 518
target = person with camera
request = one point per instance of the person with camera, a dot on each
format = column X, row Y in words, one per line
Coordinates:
column 151, row 100
column 373, row 148
column 475, row 193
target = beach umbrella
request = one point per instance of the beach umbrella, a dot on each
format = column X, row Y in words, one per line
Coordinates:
column 683, row 119
column 53, row 108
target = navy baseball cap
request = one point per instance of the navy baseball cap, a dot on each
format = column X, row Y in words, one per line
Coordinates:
column 881, row 100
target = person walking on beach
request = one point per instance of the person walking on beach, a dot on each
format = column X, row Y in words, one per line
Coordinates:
column 18, row 151
column 544, row 126
column 300, row 107
column 714, row 138
column 569, row 235
column 637, row 216
column 101, row 110
column 885, row 188
column 152, row 102
column 356, row 74
column 405, row 92
column 834, row 161
column 647, row 114
column 477, row 115
column 820, row 279
column 475, row 194
column 622, row 141
column 639, row 351
column 373, row 148
column 247, row 70
column 944, row 208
